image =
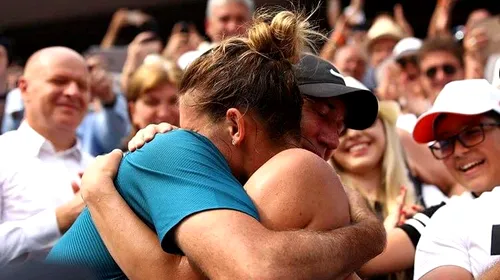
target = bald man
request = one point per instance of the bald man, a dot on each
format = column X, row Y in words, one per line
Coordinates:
column 41, row 161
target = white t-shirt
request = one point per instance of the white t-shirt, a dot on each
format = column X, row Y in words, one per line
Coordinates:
column 463, row 233
column 407, row 122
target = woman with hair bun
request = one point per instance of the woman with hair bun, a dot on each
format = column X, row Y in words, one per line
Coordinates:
column 240, row 113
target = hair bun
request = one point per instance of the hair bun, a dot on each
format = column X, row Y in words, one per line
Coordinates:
column 281, row 35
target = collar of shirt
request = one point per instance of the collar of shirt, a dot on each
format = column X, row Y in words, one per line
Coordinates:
column 37, row 144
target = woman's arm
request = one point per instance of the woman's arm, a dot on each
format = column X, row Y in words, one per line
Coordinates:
column 133, row 245
column 397, row 256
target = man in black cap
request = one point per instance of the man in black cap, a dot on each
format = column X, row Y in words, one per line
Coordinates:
column 330, row 107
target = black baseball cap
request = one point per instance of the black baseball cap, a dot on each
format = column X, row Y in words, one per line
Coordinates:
column 319, row 78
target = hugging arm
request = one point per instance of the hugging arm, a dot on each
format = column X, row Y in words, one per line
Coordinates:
column 118, row 225
column 260, row 253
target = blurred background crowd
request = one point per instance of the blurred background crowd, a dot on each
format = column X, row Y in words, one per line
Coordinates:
column 405, row 52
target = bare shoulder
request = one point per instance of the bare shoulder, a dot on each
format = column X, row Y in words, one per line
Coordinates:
column 298, row 189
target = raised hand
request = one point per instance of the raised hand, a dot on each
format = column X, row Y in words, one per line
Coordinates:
column 400, row 19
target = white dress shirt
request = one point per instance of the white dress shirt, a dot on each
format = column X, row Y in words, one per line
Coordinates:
column 463, row 233
column 34, row 181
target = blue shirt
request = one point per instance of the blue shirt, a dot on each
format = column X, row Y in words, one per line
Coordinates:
column 178, row 174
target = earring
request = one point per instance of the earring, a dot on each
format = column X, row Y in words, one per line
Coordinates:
column 233, row 142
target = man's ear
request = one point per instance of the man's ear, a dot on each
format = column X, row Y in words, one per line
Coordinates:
column 23, row 87
column 236, row 126
column 208, row 27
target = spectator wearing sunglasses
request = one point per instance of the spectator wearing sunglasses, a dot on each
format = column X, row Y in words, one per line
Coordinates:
column 405, row 54
column 440, row 62
column 463, row 238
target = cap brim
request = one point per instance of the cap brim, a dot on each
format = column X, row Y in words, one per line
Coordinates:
column 423, row 132
column 361, row 105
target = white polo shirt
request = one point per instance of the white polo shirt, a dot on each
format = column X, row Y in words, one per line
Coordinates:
column 34, row 181
column 464, row 234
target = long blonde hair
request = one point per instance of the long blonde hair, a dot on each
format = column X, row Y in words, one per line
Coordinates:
column 394, row 171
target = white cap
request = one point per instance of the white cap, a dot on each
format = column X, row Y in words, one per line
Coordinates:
column 464, row 97
column 406, row 46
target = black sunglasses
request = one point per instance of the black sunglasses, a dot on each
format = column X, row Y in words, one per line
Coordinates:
column 448, row 69
column 403, row 61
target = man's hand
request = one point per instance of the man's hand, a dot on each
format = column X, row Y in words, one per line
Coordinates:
column 101, row 85
column 66, row 214
column 181, row 42
column 475, row 41
column 137, row 50
column 97, row 181
column 147, row 134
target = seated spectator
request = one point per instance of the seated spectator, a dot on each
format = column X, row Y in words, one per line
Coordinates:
column 350, row 61
column 152, row 94
column 405, row 54
column 461, row 240
column 372, row 162
column 440, row 61
column 43, row 157
column 224, row 19
column 105, row 124
column 382, row 36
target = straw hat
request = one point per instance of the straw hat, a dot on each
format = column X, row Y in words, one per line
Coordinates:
column 383, row 27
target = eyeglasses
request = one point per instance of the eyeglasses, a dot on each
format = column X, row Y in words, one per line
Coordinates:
column 468, row 138
column 448, row 69
column 407, row 60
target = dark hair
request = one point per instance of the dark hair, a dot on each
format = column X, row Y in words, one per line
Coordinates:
column 254, row 74
column 442, row 43
column 493, row 114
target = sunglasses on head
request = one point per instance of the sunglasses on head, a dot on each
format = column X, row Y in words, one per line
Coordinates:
column 403, row 61
column 448, row 69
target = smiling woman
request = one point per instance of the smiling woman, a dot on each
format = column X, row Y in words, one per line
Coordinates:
column 152, row 94
column 372, row 162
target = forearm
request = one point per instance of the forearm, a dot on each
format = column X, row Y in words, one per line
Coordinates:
column 119, row 227
column 39, row 232
column 474, row 66
column 326, row 255
column 109, row 38
column 397, row 256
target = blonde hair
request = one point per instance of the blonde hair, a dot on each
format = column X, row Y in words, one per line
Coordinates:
column 394, row 171
column 152, row 75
